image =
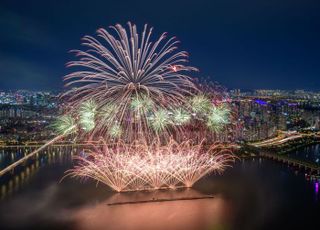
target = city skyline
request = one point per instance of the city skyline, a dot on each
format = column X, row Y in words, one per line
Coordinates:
column 139, row 114
column 278, row 49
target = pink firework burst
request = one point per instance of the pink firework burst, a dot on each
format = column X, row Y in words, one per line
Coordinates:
column 142, row 166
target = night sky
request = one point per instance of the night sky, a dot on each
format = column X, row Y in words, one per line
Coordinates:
column 239, row 43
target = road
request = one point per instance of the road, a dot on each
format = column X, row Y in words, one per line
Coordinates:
column 282, row 138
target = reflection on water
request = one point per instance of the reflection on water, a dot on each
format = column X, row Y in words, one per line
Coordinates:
column 22, row 175
column 188, row 214
column 309, row 153
column 254, row 194
column 18, row 180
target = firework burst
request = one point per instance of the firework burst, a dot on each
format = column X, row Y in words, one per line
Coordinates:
column 136, row 96
column 142, row 166
column 131, row 76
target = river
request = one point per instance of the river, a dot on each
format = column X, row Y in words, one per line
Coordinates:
column 254, row 194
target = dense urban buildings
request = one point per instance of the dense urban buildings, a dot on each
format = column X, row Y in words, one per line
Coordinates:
column 265, row 112
column 26, row 115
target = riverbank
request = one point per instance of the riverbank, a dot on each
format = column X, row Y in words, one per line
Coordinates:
column 250, row 150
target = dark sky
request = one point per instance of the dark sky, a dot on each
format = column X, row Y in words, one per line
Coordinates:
column 239, row 43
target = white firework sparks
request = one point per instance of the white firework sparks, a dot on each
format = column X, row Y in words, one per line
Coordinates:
column 141, row 166
column 126, row 70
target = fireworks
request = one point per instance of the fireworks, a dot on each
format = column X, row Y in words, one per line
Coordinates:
column 140, row 166
column 200, row 104
column 135, row 95
column 87, row 115
column 181, row 116
column 135, row 78
column 198, row 109
column 218, row 118
column 64, row 125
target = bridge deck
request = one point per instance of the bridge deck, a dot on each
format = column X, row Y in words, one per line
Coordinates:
column 293, row 161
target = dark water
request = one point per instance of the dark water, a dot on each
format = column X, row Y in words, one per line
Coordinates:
column 254, row 194
column 310, row 153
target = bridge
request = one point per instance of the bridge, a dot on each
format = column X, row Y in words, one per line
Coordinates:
column 20, row 161
column 57, row 144
column 312, row 167
column 39, row 146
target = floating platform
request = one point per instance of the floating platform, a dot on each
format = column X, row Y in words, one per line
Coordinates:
column 162, row 200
